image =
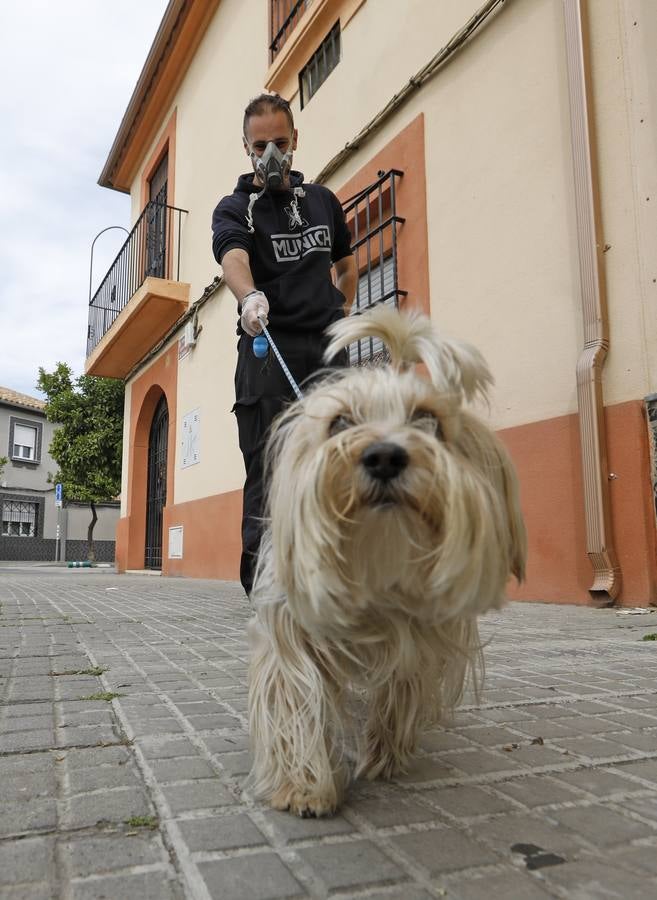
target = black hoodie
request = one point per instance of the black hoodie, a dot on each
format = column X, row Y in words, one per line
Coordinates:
column 290, row 260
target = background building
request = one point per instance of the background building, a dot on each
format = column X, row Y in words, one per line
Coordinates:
column 29, row 516
column 498, row 170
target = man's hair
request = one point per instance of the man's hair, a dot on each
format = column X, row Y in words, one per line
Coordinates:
column 262, row 104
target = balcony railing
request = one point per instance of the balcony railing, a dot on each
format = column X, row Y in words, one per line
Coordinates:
column 283, row 17
column 152, row 249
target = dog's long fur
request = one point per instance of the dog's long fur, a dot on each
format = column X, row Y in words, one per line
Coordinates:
column 375, row 585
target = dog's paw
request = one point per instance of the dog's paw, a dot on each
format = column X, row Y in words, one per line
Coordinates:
column 303, row 802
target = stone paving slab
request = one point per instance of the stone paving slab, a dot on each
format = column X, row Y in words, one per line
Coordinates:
column 123, row 749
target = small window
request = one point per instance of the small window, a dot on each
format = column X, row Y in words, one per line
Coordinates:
column 25, row 442
column 19, row 519
column 320, row 65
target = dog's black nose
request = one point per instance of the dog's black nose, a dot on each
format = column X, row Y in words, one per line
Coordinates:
column 385, row 460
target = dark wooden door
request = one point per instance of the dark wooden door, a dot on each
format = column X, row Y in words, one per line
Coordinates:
column 156, row 221
column 156, row 496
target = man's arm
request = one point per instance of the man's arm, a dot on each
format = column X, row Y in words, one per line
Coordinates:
column 346, row 279
column 237, row 272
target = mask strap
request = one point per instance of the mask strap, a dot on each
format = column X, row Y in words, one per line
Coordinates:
column 249, row 213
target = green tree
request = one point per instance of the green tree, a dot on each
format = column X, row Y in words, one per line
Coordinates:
column 3, row 462
column 87, row 444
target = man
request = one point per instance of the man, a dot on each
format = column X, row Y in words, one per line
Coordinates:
column 276, row 238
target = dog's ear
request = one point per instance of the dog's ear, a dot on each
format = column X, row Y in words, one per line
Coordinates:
column 453, row 366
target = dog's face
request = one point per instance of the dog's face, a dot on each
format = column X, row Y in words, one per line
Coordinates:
column 387, row 495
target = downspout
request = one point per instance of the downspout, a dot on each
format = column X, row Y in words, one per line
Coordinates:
column 595, row 473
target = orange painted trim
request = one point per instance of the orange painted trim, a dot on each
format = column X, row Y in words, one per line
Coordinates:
column 145, row 392
column 404, row 152
column 212, row 540
column 547, row 456
column 166, row 143
column 183, row 27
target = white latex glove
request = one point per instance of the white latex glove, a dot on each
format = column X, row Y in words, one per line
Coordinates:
column 253, row 305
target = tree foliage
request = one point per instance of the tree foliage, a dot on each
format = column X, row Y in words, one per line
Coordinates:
column 87, row 444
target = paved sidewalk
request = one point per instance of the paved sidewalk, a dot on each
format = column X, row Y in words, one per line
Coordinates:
column 123, row 746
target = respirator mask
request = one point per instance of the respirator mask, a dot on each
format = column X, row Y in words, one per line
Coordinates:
column 273, row 167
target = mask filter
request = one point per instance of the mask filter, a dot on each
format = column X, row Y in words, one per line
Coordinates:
column 273, row 167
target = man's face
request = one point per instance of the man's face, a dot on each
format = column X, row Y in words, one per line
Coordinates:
column 272, row 125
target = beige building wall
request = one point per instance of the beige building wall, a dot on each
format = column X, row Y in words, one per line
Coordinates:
column 501, row 221
column 501, row 227
column 226, row 71
column 624, row 68
column 205, row 382
column 502, row 233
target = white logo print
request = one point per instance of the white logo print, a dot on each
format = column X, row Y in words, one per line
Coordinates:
column 295, row 219
column 292, row 247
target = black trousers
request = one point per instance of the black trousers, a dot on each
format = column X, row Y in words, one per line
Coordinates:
column 262, row 391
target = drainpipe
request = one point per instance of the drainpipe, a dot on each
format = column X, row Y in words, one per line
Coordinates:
column 597, row 508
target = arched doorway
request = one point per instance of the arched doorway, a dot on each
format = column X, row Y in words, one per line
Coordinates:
column 156, row 484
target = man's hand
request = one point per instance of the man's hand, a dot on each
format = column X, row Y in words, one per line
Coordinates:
column 253, row 305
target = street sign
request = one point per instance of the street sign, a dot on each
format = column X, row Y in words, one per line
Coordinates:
column 58, row 494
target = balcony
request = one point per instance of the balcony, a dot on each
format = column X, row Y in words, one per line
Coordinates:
column 141, row 296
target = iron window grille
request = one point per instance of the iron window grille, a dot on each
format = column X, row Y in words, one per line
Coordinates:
column 320, row 65
column 373, row 220
column 283, row 18
column 151, row 249
column 19, row 518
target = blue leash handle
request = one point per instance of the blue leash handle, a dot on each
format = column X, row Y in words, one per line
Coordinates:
column 288, row 374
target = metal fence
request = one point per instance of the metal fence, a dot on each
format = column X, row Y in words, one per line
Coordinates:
column 372, row 218
column 151, row 249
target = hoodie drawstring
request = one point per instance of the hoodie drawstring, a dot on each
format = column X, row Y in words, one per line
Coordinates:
column 297, row 194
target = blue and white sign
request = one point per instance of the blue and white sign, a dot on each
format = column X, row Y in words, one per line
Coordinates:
column 59, row 494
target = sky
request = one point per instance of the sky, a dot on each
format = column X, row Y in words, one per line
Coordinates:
column 67, row 72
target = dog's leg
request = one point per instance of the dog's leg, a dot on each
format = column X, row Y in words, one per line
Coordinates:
column 293, row 716
column 396, row 710
column 405, row 704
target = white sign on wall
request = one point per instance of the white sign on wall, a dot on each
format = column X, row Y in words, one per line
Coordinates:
column 191, row 439
column 176, row 542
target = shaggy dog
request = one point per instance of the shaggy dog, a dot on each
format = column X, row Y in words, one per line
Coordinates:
column 394, row 521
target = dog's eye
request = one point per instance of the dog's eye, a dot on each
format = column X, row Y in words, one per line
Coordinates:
column 426, row 421
column 340, row 423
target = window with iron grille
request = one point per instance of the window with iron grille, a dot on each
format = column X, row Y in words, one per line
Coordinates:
column 373, row 221
column 320, row 65
column 19, row 519
column 283, row 17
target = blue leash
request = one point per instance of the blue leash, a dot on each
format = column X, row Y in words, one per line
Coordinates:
column 260, row 350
